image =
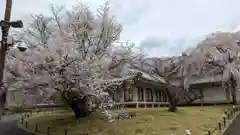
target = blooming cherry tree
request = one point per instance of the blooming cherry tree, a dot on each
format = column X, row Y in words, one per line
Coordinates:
column 76, row 53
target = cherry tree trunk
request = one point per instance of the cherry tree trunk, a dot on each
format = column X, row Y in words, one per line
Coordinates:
column 233, row 85
column 2, row 102
column 234, row 98
column 80, row 108
column 172, row 104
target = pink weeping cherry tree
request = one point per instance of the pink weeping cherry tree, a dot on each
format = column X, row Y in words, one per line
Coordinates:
column 167, row 68
column 219, row 53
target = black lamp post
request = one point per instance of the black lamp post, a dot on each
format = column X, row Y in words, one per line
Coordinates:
column 5, row 25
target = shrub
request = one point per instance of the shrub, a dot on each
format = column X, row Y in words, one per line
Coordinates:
column 18, row 109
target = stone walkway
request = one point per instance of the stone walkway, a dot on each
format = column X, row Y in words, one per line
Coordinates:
column 8, row 126
column 234, row 128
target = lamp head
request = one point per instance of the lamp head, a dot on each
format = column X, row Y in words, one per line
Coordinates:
column 17, row 24
column 22, row 47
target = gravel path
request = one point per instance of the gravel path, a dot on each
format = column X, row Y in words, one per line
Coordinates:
column 8, row 126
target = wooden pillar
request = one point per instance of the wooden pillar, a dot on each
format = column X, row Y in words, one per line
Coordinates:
column 154, row 97
column 145, row 96
column 161, row 96
column 121, row 94
column 135, row 96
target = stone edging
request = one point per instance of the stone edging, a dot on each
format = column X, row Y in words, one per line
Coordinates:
column 19, row 125
column 27, row 130
column 231, row 122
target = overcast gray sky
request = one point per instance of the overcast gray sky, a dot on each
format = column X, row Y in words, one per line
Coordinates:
column 162, row 27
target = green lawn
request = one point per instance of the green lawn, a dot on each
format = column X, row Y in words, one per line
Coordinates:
column 154, row 121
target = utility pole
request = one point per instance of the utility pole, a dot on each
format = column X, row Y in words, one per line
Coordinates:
column 5, row 26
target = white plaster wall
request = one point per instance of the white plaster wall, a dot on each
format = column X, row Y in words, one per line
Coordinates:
column 175, row 82
column 214, row 94
column 238, row 94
